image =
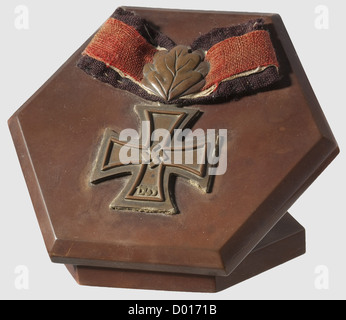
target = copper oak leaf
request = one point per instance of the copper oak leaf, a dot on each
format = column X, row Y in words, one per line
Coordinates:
column 175, row 73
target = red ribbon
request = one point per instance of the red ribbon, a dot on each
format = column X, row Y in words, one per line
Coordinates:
column 122, row 48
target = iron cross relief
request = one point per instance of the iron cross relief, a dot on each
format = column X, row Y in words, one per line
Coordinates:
column 155, row 157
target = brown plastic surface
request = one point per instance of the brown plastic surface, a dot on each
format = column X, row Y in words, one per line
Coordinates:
column 278, row 143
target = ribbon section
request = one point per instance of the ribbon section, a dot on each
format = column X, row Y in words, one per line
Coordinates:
column 240, row 56
column 122, row 48
column 128, row 51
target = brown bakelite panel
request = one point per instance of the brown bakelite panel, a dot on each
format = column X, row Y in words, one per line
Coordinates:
column 278, row 143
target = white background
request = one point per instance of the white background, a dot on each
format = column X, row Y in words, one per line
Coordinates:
column 56, row 30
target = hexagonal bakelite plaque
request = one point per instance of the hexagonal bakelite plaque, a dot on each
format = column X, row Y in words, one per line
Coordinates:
column 278, row 142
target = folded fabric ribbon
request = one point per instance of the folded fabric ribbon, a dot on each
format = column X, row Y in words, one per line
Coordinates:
column 128, row 53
